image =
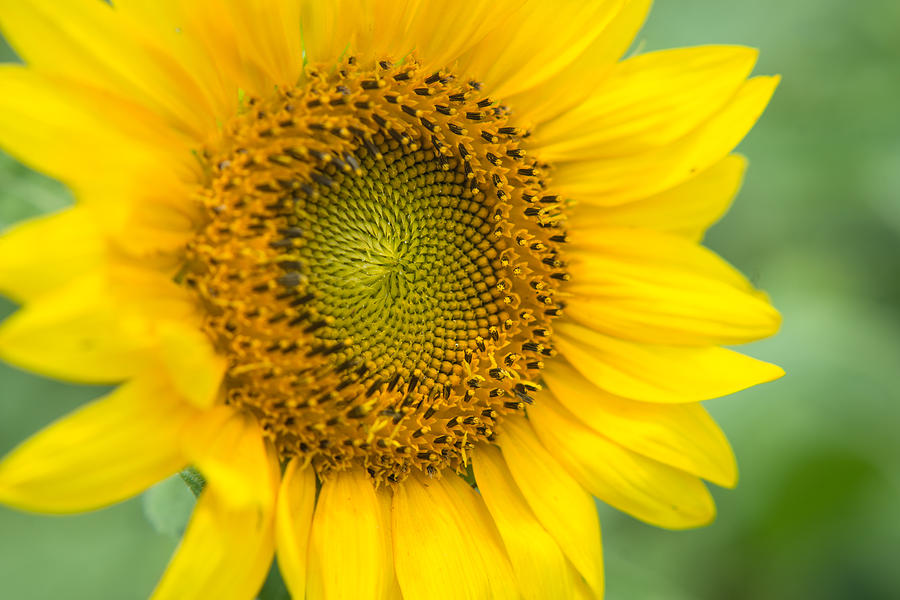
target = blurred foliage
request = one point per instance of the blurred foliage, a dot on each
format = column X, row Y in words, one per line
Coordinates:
column 817, row 225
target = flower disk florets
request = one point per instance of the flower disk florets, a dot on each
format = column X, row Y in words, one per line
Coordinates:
column 380, row 266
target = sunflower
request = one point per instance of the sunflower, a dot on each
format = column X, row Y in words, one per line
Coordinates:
column 408, row 282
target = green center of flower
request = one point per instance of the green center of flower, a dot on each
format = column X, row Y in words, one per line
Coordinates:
column 401, row 261
column 379, row 266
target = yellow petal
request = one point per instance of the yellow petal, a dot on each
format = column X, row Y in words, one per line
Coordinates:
column 539, row 565
column 508, row 61
column 582, row 76
column 647, row 102
column 559, row 502
column 327, row 29
column 686, row 210
column 91, row 42
column 620, row 289
column 381, row 29
column 659, row 373
column 54, row 126
column 347, row 538
column 444, row 539
column 612, row 181
column 155, row 227
column 227, row 446
column 227, row 549
column 192, row 362
column 680, row 435
column 629, row 248
column 73, row 333
column 45, row 253
column 102, row 453
column 385, row 499
column 268, row 34
column 643, row 488
column 192, row 31
column 441, row 31
column 296, row 499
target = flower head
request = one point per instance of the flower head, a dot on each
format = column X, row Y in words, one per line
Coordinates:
column 405, row 284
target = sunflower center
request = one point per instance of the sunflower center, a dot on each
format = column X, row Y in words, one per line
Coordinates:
column 379, row 265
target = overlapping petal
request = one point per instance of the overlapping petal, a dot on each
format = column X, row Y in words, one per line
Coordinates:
column 649, row 287
column 647, row 102
column 508, row 61
column 444, row 539
column 620, row 179
column 644, row 488
column 105, row 452
column 580, row 78
column 91, row 39
column 681, row 435
column 75, row 333
column 229, row 544
column 347, row 537
column 546, row 486
column 687, row 210
column 45, row 253
column 296, row 500
column 539, row 565
column 654, row 373
column 55, row 126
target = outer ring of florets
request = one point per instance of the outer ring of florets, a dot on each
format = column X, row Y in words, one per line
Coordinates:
column 291, row 288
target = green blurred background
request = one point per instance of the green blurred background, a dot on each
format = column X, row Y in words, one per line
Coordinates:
column 817, row 512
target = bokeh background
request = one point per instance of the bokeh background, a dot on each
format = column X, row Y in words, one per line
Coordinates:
column 817, row 511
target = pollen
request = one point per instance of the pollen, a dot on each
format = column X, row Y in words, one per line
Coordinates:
column 380, row 264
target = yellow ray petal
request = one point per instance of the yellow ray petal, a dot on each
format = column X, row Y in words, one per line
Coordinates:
column 53, row 126
column 612, row 181
column 328, row 29
column 560, row 503
column 539, row 565
column 695, row 312
column 226, row 446
column 296, row 499
column 627, row 292
column 189, row 31
column 74, row 333
column 232, row 47
column 381, row 28
column 580, row 589
column 227, row 548
column 681, row 435
column 191, row 361
column 509, row 62
column 659, row 373
column 647, row 102
column 581, row 77
column 636, row 247
column 47, row 252
column 91, row 42
column 347, row 538
column 444, row 539
column 100, row 327
column 643, row 488
column 153, row 228
column 687, row 210
column 385, row 499
column 102, row 453
column 441, row 32
column 268, row 35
